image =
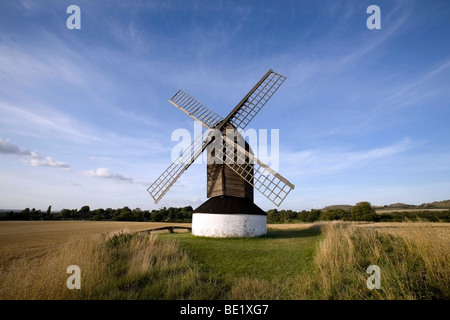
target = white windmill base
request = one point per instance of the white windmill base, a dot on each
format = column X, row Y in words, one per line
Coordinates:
column 219, row 225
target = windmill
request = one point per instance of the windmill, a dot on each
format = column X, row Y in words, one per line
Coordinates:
column 232, row 169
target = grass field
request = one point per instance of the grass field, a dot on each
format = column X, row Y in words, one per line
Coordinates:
column 301, row 261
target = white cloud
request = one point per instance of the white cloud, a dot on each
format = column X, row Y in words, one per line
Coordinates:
column 32, row 157
column 105, row 173
column 48, row 162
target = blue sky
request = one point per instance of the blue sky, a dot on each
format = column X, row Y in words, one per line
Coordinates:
column 85, row 119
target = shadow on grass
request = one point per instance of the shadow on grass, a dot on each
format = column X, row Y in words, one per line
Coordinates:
column 292, row 233
column 271, row 234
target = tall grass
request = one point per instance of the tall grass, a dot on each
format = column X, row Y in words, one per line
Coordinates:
column 44, row 276
column 123, row 266
column 415, row 265
column 143, row 267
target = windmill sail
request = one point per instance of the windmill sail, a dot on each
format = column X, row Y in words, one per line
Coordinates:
column 195, row 109
column 167, row 179
column 271, row 184
column 264, row 179
column 250, row 105
column 242, row 114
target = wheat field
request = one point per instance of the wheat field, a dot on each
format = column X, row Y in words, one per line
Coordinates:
column 39, row 238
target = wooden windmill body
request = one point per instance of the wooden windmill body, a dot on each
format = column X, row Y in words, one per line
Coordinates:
column 232, row 170
column 222, row 180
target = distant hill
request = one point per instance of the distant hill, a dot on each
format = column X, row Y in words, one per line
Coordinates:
column 397, row 205
column 401, row 205
column 445, row 204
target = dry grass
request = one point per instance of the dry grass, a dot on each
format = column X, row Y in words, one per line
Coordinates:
column 414, row 263
column 433, row 231
column 44, row 276
column 35, row 239
column 114, row 266
column 140, row 266
column 255, row 289
column 414, row 259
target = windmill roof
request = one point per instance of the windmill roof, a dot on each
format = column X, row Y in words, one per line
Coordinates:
column 229, row 205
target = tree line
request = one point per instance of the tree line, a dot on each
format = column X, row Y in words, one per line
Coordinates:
column 362, row 211
column 182, row 214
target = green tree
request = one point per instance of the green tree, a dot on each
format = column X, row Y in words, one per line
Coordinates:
column 326, row 215
column 125, row 214
column 303, row 215
column 363, row 211
column 156, row 216
column 313, row 215
column 23, row 215
column 48, row 214
column 34, row 214
column 109, row 213
column 187, row 209
column 98, row 214
column 342, row 214
column 334, row 214
column 66, row 214
column 84, row 212
column 138, row 214
column 273, row 216
column 172, row 213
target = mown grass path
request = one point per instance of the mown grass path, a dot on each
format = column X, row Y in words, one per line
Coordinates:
column 278, row 255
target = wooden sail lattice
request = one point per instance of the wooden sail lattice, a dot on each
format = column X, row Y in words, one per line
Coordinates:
column 253, row 102
column 271, row 184
column 167, row 179
column 195, row 109
column 263, row 178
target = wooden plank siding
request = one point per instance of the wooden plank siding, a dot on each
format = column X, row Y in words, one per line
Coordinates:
column 221, row 180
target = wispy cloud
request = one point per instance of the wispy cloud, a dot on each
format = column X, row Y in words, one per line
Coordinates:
column 32, row 157
column 46, row 122
column 321, row 161
column 105, row 173
column 414, row 85
column 26, row 65
column 396, row 22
